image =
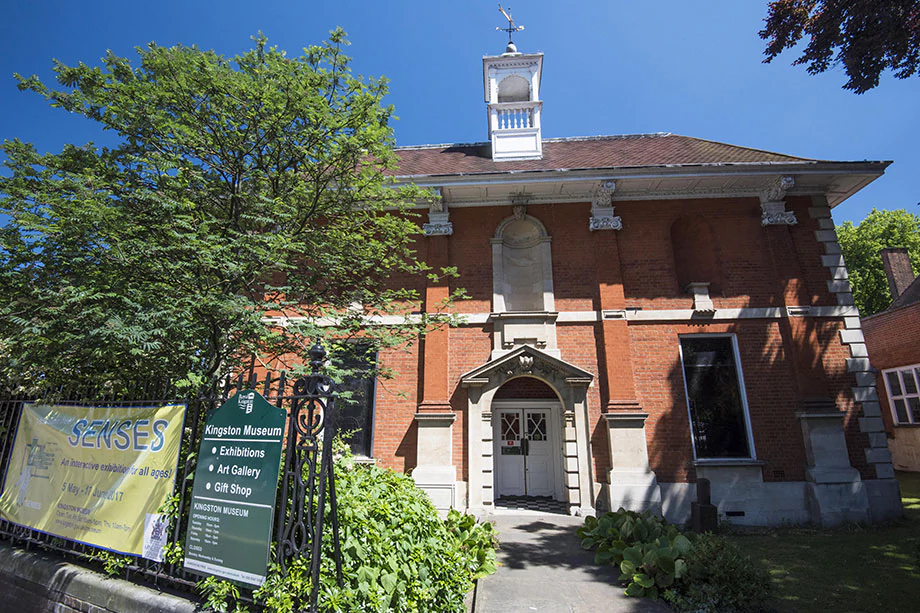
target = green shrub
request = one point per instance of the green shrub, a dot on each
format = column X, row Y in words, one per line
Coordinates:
column 647, row 550
column 611, row 533
column 700, row 573
column 112, row 563
column 397, row 553
column 476, row 540
column 720, row 579
column 649, row 568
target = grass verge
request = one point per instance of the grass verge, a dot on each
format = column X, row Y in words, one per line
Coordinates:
column 851, row 569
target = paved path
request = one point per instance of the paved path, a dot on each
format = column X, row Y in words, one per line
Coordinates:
column 544, row 569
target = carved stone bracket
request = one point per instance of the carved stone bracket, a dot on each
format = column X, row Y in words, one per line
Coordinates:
column 602, row 215
column 604, row 219
column 519, row 204
column 438, row 217
column 438, row 229
column 604, row 195
column 437, row 204
column 778, row 218
column 773, row 204
column 777, row 188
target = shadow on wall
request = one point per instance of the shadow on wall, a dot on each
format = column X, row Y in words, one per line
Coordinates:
column 408, row 448
column 782, row 361
column 736, row 413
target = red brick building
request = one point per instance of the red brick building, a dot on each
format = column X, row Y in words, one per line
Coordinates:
column 892, row 337
column 644, row 310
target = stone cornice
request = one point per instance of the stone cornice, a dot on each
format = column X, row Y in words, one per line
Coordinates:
column 836, row 180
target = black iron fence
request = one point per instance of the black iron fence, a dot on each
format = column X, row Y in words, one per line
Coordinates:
column 307, row 483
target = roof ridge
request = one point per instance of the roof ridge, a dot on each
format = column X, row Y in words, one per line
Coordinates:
column 558, row 139
column 724, row 144
column 564, row 139
column 440, row 146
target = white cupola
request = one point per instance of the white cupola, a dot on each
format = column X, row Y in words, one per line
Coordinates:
column 512, row 91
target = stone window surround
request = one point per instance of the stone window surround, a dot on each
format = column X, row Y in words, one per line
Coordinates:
column 912, row 370
column 498, row 275
column 744, row 401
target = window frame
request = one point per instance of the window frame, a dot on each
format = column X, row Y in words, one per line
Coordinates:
column 372, row 414
column 742, row 391
column 913, row 370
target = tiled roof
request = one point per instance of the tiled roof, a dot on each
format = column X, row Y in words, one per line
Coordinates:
column 634, row 151
column 910, row 296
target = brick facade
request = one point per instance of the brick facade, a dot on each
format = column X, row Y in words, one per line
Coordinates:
column 590, row 264
column 892, row 338
column 784, row 360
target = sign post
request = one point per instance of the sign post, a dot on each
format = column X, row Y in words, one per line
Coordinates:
column 233, row 498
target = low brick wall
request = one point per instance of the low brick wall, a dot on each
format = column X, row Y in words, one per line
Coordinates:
column 33, row 581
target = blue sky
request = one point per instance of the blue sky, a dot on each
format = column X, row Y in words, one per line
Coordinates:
column 610, row 67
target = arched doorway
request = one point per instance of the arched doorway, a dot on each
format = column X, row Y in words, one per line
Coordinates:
column 569, row 385
column 527, row 424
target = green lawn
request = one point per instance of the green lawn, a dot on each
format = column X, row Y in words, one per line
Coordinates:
column 852, row 569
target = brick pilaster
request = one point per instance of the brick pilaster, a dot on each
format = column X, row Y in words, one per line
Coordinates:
column 618, row 391
column 435, row 346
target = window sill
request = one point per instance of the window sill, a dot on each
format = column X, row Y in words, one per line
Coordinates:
column 728, row 462
column 365, row 460
column 907, row 426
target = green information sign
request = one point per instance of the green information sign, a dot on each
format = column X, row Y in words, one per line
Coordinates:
column 236, row 480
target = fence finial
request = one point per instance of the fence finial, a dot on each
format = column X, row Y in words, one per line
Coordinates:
column 317, row 357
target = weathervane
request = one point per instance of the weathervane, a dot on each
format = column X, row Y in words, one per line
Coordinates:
column 511, row 29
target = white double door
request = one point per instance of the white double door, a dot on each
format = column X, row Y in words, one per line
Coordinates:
column 524, row 452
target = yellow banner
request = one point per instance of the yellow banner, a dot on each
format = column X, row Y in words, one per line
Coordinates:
column 92, row 474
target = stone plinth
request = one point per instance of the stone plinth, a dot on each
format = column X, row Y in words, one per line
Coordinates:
column 835, row 493
column 632, row 483
column 435, row 472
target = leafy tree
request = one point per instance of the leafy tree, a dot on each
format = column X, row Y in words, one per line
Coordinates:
column 240, row 189
column 866, row 36
column 861, row 245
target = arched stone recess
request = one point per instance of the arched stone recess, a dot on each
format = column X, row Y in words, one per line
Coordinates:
column 570, row 384
column 523, row 302
column 514, row 88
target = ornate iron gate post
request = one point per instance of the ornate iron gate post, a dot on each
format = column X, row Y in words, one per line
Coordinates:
column 308, row 475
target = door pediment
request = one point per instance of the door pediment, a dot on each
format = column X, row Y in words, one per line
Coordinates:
column 526, row 361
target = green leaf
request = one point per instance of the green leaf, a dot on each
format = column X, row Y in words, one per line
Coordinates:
column 627, row 567
column 634, row 589
column 633, row 555
column 680, row 569
column 644, row 580
column 604, row 557
column 682, row 544
column 389, row 581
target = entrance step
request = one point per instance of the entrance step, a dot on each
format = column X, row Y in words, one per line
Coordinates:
column 543, row 569
column 540, row 504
